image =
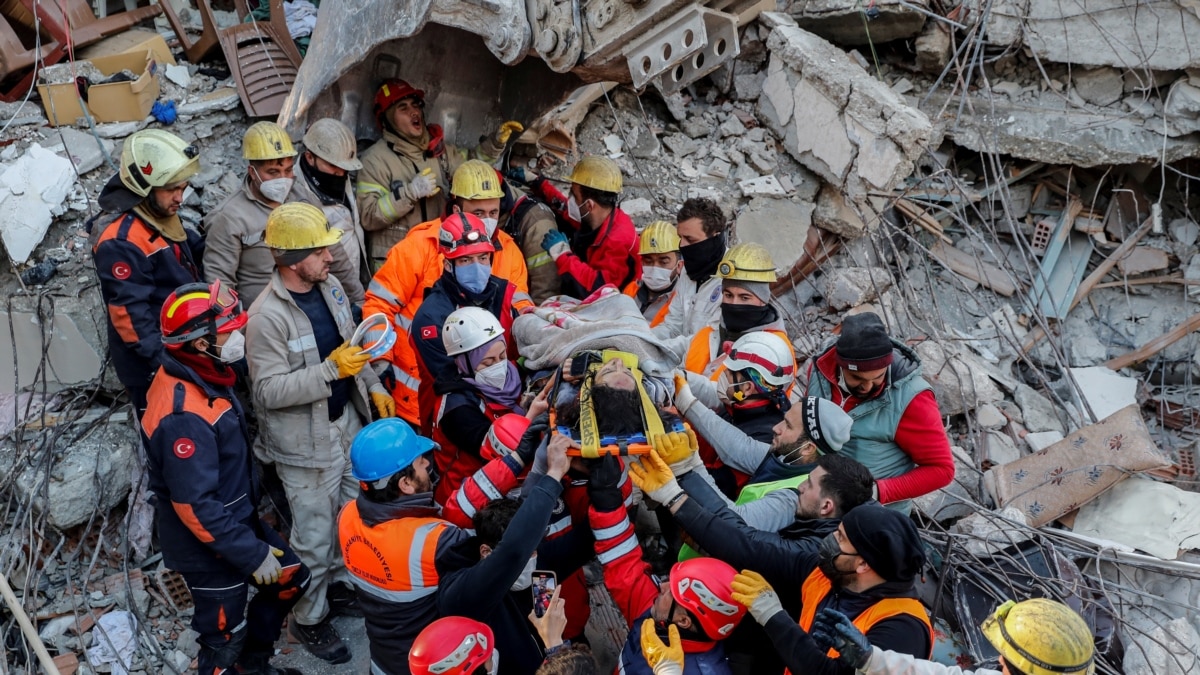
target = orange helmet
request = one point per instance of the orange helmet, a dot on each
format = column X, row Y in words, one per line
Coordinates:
column 452, row 645
column 702, row 586
column 391, row 91
column 198, row 309
column 504, row 436
column 463, row 234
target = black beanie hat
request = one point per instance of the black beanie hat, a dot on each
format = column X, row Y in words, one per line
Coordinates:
column 864, row 343
column 887, row 540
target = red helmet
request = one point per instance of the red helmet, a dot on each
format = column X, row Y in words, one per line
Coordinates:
column 391, row 91
column 504, row 436
column 702, row 586
column 463, row 234
column 452, row 645
column 196, row 310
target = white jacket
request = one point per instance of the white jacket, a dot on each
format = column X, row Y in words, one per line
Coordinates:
column 890, row 663
column 692, row 308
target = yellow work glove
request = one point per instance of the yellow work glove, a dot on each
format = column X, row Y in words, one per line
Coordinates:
column 676, row 446
column 753, row 591
column 385, row 405
column 506, row 131
column 654, row 478
column 349, row 359
column 269, row 570
column 684, row 398
column 664, row 659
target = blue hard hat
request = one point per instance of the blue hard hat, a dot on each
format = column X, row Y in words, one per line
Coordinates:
column 385, row 447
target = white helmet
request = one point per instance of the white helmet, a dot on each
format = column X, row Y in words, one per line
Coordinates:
column 469, row 327
column 766, row 353
column 154, row 158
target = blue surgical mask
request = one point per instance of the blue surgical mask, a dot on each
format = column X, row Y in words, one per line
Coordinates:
column 473, row 277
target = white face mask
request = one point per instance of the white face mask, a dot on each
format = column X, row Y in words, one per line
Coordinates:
column 234, row 349
column 573, row 210
column 276, row 189
column 494, row 376
column 490, row 225
column 658, row 279
column 525, row 579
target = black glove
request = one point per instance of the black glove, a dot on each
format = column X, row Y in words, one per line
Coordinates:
column 603, row 476
column 832, row 629
column 532, row 438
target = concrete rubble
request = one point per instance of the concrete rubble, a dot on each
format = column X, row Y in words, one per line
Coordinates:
column 889, row 161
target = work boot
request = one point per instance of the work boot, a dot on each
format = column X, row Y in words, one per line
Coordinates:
column 343, row 600
column 322, row 641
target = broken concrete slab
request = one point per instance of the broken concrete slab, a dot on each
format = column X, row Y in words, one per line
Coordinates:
column 33, row 190
column 834, row 214
column 1099, row 86
column 846, row 22
column 1041, row 440
column 846, row 287
column 764, row 186
column 1039, row 413
column 959, row 378
column 1182, row 106
column 998, row 448
column 1142, row 260
column 225, row 98
column 85, row 151
column 835, row 118
column 934, row 48
column 1057, row 132
column 90, row 473
column 779, row 224
column 989, row 416
column 73, row 341
column 1144, row 35
column 1106, row 392
column 1167, row 647
column 989, row 533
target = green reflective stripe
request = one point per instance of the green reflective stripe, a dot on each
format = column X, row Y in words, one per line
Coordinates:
column 538, row 260
column 386, row 207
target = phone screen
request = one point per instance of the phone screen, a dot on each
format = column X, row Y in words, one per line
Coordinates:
column 544, row 582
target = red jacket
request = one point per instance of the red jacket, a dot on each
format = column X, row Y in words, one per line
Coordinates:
column 611, row 258
column 920, row 434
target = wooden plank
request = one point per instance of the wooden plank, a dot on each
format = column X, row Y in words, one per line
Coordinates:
column 1156, row 345
column 973, row 268
column 922, row 218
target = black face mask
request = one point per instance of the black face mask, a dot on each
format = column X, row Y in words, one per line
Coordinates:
column 741, row 318
column 328, row 184
column 828, row 552
column 700, row 260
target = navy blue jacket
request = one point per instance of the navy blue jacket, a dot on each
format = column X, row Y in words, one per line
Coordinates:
column 710, row 662
column 198, row 453
column 138, row 269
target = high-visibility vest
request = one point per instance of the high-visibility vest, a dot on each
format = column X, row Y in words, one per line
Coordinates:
column 664, row 303
column 394, row 560
column 817, row 586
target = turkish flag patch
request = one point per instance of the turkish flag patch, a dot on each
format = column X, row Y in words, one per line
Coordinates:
column 184, row 448
column 429, row 332
column 121, row 270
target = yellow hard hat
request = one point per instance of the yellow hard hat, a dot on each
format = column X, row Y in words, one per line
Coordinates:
column 747, row 262
column 266, row 140
column 598, row 173
column 658, row 237
column 1041, row 637
column 475, row 179
column 155, row 158
column 297, row 226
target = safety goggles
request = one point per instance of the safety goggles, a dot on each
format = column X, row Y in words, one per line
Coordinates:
column 224, row 307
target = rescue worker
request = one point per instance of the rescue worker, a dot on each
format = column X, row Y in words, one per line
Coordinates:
column 1034, row 637
column 142, row 251
column 603, row 244
column 865, row 569
column 330, row 154
column 701, row 227
column 454, row 645
column 417, row 262
column 466, row 281
column 312, row 391
column 235, row 250
column 406, row 171
column 694, row 611
column 527, row 220
column 746, row 273
column 898, row 432
column 205, row 491
column 394, row 524
column 487, row 388
column 658, row 249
